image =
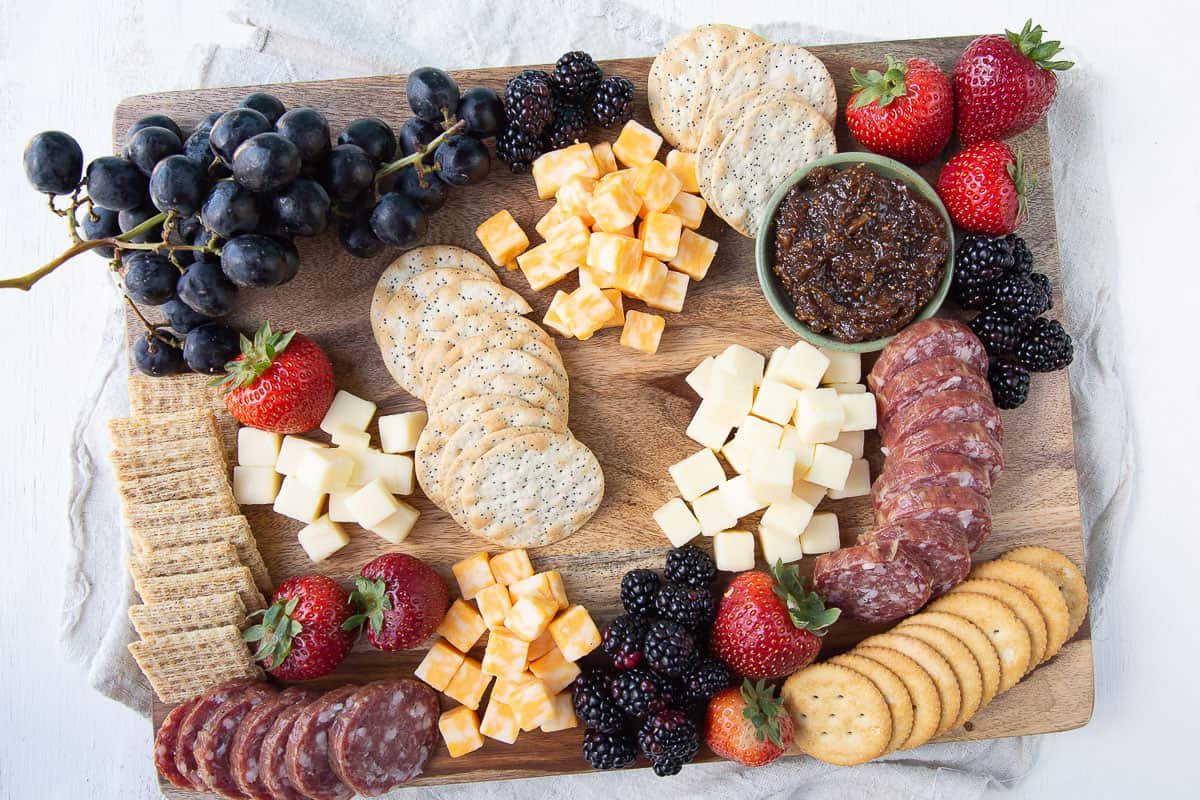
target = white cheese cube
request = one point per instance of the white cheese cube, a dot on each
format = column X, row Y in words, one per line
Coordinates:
column 290, row 451
column 398, row 433
column 737, row 456
column 775, row 365
column 803, row 366
column 298, row 501
column 255, row 486
column 859, row 411
column 398, row 526
column 772, row 473
column 349, row 438
column 779, row 546
column 734, row 551
column 739, row 496
column 742, row 362
column 775, row 401
column 322, row 539
column 708, row 427
column 790, row 516
column 698, row 378
column 858, row 482
column 396, row 471
column 325, row 470
column 338, row 511
column 257, row 448
column 677, row 522
column 848, row 388
column 731, row 397
column 830, row 467
column 850, row 441
column 697, row 473
column 821, row 535
column 803, row 450
column 713, row 513
column 348, row 410
column 819, row 415
column 372, row 504
column 755, row 434
column 843, row 367
column 809, row 492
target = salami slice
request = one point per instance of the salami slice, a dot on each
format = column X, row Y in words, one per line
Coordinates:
column 166, row 740
column 963, row 508
column 308, row 764
column 930, row 469
column 273, row 757
column 193, row 724
column 924, row 340
column 941, row 374
column 875, row 582
column 245, row 754
column 384, row 735
column 968, row 439
column 216, row 738
column 940, row 546
column 956, row 406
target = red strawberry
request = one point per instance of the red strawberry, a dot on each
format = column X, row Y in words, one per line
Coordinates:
column 301, row 634
column 280, row 382
column 401, row 599
column 1004, row 84
column 984, row 188
column 748, row 725
column 769, row 627
column 905, row 113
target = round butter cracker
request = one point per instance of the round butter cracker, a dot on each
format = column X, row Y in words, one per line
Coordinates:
column 1025, row 609
column 949, row 692
column 839, row 715
column 1041, row 590
column 975, row 640
column 900, row 702
column 526, row 389
column 1065, row 575
column 777, row 65
column 999, row 623
column 964, row 665
column 927, row 708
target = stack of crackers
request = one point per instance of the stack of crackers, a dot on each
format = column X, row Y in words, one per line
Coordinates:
column 935, row 670
column 193, row 557
column 753, row 111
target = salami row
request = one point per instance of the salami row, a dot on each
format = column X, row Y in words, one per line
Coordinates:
column 247, row 740
column 942, row 437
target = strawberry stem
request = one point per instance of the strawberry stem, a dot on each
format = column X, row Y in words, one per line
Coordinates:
column 257, row 358
column 763, row 710
column 1029, row 44
column 806, row 609
column 880, row 88
column 1024, row 184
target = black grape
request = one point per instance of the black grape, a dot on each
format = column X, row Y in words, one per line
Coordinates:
column 233, row 128
column 374, row 136
column 208, row 348
column 153, row 356
column 346, row 173
column 268, row 105
column 483, row 111
column 398, row 220
column 429, row 191
column 266, row 162
column 150, row 278
column 53, row 162
column 301, row 209
column 154, row 121
column 151, row 145
column 205, row 288
column 205, row 124
column 356, row 235
column 197, row 148
column 308, row 129
column 230, row 209
column 105, row 224
column 181, row 317
column 254, row 261
column 415, row 133
column 462, row 160
column 432, row 94
column 116, row 183
column 178, row 184
column 130, row 218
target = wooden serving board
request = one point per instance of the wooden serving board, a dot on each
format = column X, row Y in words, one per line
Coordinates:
column 631, row 408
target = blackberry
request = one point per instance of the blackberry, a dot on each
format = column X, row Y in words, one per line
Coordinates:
column 1009, row 381
column 623, row 638
column 1018, row 296
column 609, row 749
column 997, row 331
column 528, row 101
column 670, row 740
column 1022, row 258
column 639, row 588
column 669, row 648
column 568, row 125
column 593, row 701
column 1044, row 347
column 979, row 261
column 613, row 103
column 690, row 606
column 705, row 678
column 1042, row 281
column 691, row 565
column 637, row 692
column 575, row 76
column 518, row 148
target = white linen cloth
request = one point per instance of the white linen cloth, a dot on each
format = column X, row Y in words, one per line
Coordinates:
column 294, row 40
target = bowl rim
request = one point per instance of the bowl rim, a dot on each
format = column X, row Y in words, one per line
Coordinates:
column 774, row 292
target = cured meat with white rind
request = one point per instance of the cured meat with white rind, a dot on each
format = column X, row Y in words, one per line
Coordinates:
column 930, row 338
column 963, row 508
column 873, row 582
column 930, row 469
column 941, row 374
column 943, row 407
column 308, row 764
column 968, row 439
column 941, row 546
column 245, row 754
column 193, row 724
column 165, row 742
column 384, row 735
column 215, row 742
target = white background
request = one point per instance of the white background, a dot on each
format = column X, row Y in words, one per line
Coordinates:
column 65, row 63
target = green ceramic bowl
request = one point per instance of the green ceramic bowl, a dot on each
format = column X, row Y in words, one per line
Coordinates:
column 782, row 304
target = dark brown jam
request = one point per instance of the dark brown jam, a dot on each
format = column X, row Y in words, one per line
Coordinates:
column 859, row 254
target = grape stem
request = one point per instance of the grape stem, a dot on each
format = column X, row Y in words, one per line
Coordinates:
column 415, row 158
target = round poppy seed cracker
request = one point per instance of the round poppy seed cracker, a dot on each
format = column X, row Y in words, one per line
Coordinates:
column 524, row 388
column 720, row 121
column 999, row 623
column 1025, row 609
column 1041, row 590
column 534, row 490
column 484, row 325
column 949, row 692
column 975, row 640
column 490, row 363
column 966, row 668
column 927, row 708
column 706, row 88
column 899, row 700
column 507, row 339
column 840, row 716
column 518, row 414
column 777, row 65
column 454, row 474
column 415, row 261
column 1065, row 575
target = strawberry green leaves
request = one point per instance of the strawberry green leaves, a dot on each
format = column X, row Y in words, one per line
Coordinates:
column 763, row 710
column 805, row 609
column 257, row 358
column 275, row 633
column 880, row 88
column 371, row 599
column 1029, row 43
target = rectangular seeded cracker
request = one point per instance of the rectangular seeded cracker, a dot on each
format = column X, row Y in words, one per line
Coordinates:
column 175, row 393
column 187, row 614
column 206, row 481
column 183, row 665
column 150, row 535
column 150, row 460
column 155, row 429
column 140, row 514
column 197, row 584
column 160, row 562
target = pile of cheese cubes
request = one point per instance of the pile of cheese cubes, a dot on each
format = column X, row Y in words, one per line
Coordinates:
column 535, row 636
column 626, row 232
column 799, row 437
column 359, row 483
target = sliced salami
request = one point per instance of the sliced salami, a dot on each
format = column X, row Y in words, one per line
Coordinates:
column 193, row 724
column 308, row 764
column 166, row 740
column 924, row 340
column 874, row 582
column 968, row 439
column 216, row 739
column 955, row 406
column 940, row 546
column 273, row 757
column 930, row 469
column 245, row 754
column 941, row 374
column 384, row 735
column 963, row 508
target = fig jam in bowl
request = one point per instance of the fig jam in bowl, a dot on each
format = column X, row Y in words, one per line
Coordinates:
column 852, row 249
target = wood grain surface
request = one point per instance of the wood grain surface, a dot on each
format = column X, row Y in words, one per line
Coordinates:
column 631, row 409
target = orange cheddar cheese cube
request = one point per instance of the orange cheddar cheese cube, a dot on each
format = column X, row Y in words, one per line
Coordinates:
column 438, row 666
column 672, row 294
column 532, row 704
column 613, row 205
column 614, row 296
column 544, row 266
column 586, row 311
column 507, row 686
column 562, row 714
column 460, row 730
column 689, row 208
column 530, row 616
column 511, row 566
column 534, row 586
column 500, row 721
column 656, row 185
column 647, row 281
column 613, row 254
column 551, row 170
column 660, row 235
column 636, row 145
column 558, row 591
column 569, row 240
column 642, row 331
column 683, row 166
column 505, row 654
column 554, row 670
column 468, row 684
column 553, row 319
column 555, row 215
column 694, row 256
column 574, row 632
column 502, row 237
column 494, row 605
column 573, row 196
column 462, row 626
column 541, row 645
column 473, row 574
column 603, row 154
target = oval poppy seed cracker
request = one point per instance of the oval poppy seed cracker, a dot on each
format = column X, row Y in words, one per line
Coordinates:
column 720, row 121
column 706, row 89
column 490, row 363
column 1025, row 609
column 949, row 692
column 899, row 701
column 454, row 475
column 966, row 668
column 507, row 339
column 1065, row 575
column 524, row 388
column 926, row 707
column 975, row 640
column 415, row 261
column 487, row 332
column 517, row 415
column 999, row 623
column 839, row 715
column 776, row 65
column 1041, row 590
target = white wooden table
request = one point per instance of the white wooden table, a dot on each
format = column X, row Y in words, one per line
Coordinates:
column 64, row 65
